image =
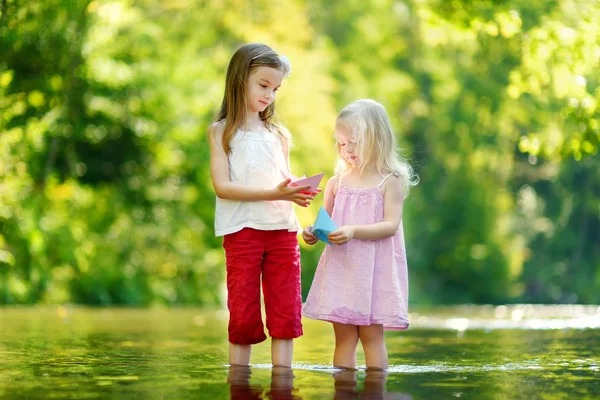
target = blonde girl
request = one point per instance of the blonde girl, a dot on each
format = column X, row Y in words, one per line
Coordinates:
column 361, row 282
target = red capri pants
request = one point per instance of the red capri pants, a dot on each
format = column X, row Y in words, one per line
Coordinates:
column 276, row 255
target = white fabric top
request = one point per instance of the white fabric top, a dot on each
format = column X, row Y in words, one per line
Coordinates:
column 256, row 159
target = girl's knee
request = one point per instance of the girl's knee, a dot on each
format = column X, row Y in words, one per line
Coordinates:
column 283, row 324
column 345, row 332
column 349, row 343
column 346, row 341
column 246, row 332
column 371, row 334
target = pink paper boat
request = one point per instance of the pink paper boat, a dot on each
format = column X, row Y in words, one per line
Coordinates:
column 312, row 181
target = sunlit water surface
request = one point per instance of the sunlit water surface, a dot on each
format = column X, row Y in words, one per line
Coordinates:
column 545, row 352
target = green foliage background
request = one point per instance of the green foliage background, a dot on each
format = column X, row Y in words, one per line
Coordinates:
column 105, row 193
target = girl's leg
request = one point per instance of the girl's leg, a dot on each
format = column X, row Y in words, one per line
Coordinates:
column 283, row 294
column 239, row 354
column 373, row 344
column 281, row 352
column 244, row 262
column 346, row 339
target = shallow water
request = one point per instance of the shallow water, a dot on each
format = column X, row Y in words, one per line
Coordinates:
column 550, row 352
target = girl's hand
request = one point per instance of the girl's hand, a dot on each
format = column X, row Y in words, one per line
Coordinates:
column 342, row 235
column 308, row 236
column 316, row 192
column 293, row 193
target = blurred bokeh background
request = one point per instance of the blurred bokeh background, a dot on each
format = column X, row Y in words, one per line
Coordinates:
column 105, row 192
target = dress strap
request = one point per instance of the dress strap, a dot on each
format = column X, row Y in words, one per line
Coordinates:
column 384, row 179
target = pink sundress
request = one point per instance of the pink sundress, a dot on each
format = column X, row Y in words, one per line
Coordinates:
column 362, row 282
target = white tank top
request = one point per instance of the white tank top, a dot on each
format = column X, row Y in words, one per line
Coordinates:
column 256, row 159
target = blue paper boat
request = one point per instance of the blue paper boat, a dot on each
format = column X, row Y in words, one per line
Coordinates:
column 323, row 226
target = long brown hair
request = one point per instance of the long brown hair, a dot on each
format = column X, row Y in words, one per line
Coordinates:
column 234, row 106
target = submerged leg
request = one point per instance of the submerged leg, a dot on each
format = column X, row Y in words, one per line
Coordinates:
column 346, row 339
column 373, row 343
column 239, row 354
column 281, row 352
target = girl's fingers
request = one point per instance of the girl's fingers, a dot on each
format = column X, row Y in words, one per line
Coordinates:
column 284, row 183
column 337, row 238
column 311, row 193
column 304, row 188
column 301, row 197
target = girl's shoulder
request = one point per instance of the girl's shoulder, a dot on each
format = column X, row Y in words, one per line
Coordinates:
column 281, row 130
column 334, row 180
column 394, row 184
column 280, row 127
column 216, row 129
column 333, row 184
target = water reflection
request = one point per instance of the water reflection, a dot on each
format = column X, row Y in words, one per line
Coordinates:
column 374, row 386
column 347, row 384
column 73, row 352
column 282, row 385
column 239, row 384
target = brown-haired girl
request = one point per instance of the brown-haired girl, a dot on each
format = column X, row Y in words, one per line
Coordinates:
column 249, row 165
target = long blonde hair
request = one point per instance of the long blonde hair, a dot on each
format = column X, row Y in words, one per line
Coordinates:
column 234, row 106
column 368, row 123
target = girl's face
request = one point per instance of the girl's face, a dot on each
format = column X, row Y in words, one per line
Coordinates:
column 347, row 146
column 263, row 84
